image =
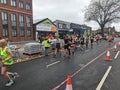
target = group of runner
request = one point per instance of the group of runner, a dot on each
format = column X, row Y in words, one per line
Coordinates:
column 68, row 44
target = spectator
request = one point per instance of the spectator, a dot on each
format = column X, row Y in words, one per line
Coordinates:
column 46, row 44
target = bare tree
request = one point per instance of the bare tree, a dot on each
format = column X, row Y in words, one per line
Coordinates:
column 103, row 12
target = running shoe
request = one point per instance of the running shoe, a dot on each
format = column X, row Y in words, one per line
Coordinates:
column 9, row 83
column 15, row 75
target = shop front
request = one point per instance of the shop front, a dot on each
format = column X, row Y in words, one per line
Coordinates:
column 63, row 28
column 76, row 29
column 79, row 30
column 45, row 28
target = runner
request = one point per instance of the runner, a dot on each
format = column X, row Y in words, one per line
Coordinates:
column 91, row 41
column 6, row 59
column 82, row 42
column 58, row 47
column 87, row 41
column 97, row 39
column 110, row 40
column 73, row 45
column 66, row 46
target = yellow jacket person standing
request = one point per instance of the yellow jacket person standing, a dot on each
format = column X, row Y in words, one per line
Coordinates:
column 46, row 46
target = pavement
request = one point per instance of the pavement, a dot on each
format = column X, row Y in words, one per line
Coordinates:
column 20, row 56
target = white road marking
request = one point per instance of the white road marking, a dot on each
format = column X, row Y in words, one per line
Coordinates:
column 104, row 78
column 52, row 64
column 59, row 85
column 117, row 55
column 95, row 59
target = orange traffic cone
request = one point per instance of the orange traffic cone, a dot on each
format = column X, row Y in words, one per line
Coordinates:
column 119, row 44
column 69, row 83
column 108, row 55
column 115, row 48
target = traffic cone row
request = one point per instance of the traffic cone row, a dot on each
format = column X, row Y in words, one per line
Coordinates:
column 108, row 58
column 69, row 81
column 108, row 52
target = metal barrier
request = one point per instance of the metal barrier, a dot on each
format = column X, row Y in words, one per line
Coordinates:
column 16, row 54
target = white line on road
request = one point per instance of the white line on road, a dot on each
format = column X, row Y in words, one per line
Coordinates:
column 103, row 79
column 52, row 64
column 117, row 55
column 96, row 58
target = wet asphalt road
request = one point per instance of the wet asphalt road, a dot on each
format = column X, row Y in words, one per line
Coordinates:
column 47, row 72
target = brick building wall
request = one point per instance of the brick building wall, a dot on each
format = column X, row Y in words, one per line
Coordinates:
column 17, row 11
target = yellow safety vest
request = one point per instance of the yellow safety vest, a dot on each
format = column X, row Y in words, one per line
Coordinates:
column 46, row 44
column 5, row 56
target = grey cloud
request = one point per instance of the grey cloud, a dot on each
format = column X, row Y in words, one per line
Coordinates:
column 68, row 10
column 55, row 8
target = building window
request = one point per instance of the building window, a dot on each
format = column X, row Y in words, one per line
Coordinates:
column 60, row 25
column 5, row 24
column 28, row 6
column 14, row 25
column 28, row 31
column 21, row 4
column 22, row 31
column 4, row 1
column 4, row 16
column 21, row 21
column 14, row 31
column 13, row 2
column 28, row 20
column 64, row 26
column 13, row 17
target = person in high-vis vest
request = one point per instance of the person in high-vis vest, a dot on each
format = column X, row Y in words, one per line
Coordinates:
column 6, row 60
column 47, row 45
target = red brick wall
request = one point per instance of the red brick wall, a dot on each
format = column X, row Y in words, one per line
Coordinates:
column 16, row 10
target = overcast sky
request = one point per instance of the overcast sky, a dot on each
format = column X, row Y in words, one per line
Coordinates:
column 66, row 10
